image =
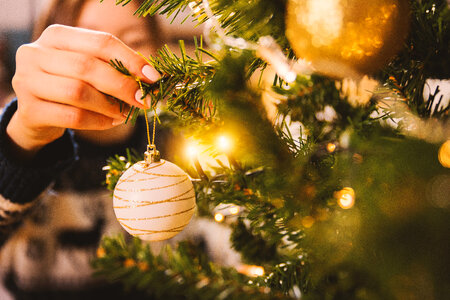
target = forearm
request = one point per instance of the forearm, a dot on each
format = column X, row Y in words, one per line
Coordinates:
column 23, row 180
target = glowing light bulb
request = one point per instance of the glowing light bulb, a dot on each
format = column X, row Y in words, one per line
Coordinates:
column 234, row 210
column 346, row 198
column 191, row 150
column 331, row 147
column 219, row 217
column 257, row 271
column 224, row 143
column 250, row 270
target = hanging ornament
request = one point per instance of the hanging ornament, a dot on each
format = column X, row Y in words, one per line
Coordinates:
column 154, row 199
column 347, row 38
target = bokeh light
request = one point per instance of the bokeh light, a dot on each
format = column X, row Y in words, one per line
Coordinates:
column 251, row 270
column 444, row 154
column 224, row 143
column 331, row 147
column 346, row 197
column 191, row 150
column 219, row 217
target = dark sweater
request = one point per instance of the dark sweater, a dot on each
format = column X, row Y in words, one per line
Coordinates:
column 43, row 232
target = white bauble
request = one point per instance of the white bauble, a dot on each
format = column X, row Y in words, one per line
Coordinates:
column 154, row 201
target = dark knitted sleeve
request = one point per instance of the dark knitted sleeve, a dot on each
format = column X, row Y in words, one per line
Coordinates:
column 20, row 182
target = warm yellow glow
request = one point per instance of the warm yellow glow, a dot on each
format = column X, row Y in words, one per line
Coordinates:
column 323, row 19
column 143, row 266
column 346, row 201
column 129, row 262
column 331, row 147
column 224, row 143
column 444, row 154
column 101, row 252
column 346, row 198
column 250, row 270
column 234, row 210
column 346, row 38
column 219, row 217
column 192, row 150
column 196, row 149
column 257, row 271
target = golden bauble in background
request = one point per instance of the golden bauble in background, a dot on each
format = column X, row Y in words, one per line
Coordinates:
column 347, row 38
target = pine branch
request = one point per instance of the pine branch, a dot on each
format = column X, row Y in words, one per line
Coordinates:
column 184, row 82
column 291, row 202
column 424, row 56
column 180, row 273
column 117, row 165
column 251, row 20
column 247, row 19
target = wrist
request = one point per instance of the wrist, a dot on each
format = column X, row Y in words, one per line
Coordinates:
column 25, row 142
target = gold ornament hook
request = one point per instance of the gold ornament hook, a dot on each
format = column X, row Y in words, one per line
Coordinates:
column 152, row 155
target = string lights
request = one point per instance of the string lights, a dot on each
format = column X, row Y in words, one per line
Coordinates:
column 251, row 270
column 345, row 197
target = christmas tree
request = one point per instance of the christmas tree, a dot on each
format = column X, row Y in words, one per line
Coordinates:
column 335, row 184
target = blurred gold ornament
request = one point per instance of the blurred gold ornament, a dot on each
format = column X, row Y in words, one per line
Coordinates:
column 444, row 154
column 347, row 38
column 358, row 92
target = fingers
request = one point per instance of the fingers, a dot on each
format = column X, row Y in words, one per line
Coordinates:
column 61, row 81
column 92, row 71
column 51, row 114
column 76, row 93
column 98, row 44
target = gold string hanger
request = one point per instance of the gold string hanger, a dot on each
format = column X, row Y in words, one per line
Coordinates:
column 151, row 155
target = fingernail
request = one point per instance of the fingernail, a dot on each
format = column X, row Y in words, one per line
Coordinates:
column 138, row 97
column 116, row 122
column 150, row 73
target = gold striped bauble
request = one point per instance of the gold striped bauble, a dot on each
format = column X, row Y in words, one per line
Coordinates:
column 347, row 38
column 154, row 201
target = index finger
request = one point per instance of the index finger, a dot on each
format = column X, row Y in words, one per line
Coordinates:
column 99, row 44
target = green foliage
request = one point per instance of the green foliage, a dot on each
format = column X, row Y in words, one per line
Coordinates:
column 312, row 94
column 183, row 82
column 177, row 273
column 424, row 56
column 390, row 245
column 247, row 19
column 117, row 165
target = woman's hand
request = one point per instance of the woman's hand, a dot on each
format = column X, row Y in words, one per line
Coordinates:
column 61, row 81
